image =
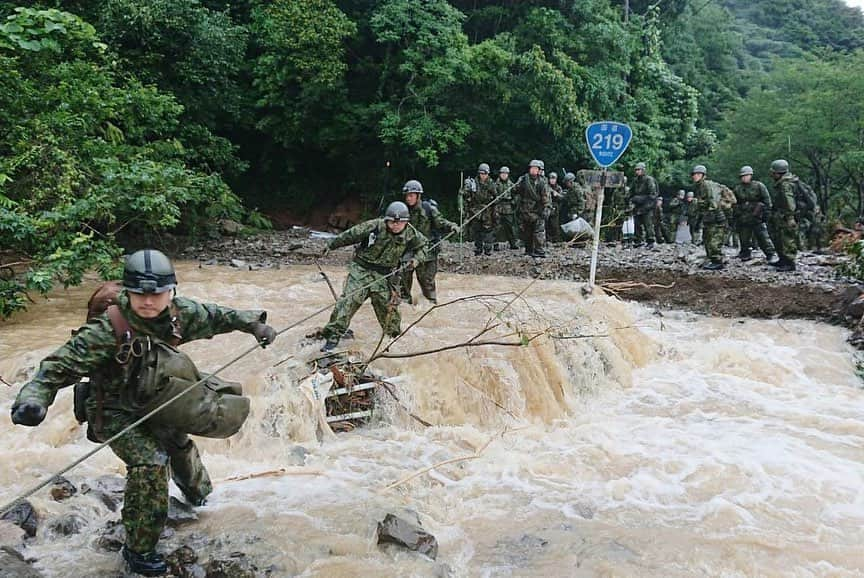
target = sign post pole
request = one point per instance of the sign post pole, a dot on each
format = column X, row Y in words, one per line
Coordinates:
column 607, row 141
column 598, row 219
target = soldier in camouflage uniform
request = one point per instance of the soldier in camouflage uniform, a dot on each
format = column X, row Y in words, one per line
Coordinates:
column 148, row 305
column 553, row 221
column 381, row 246
column 535, row 205
column 672, row 216
column 483, row 225
column 575, row 193
column 751, row 215
column 643, row 195
column 427, row 219
column 782, row 224
column 710, row 206
column 505, row 211
column 659, row 219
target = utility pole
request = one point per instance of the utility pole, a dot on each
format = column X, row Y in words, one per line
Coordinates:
column 626, row 11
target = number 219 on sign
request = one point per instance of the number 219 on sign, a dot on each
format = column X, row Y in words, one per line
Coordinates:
column 612, row 141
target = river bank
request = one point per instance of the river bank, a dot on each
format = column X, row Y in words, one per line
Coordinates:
column 662, row 277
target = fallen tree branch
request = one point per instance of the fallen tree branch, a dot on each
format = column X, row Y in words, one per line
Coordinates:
column 420, row 472
column 273, row 474
column 473, row 456
column 520, row 343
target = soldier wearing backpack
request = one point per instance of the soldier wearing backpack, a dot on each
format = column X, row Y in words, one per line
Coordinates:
column 426, row 218
column 808, row 215
column 782, row 224
column 126, row 352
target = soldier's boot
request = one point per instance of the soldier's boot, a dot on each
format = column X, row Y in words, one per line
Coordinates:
column 745, row 255
column 772, row 259
column 146, row 564
column 786, row 266
column 330, row 344
column 713, row 266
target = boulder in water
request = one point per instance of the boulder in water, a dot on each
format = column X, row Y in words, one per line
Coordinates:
column 237, row 565
column 13, row 565
column 107, row 489
column 113, row 537
column 24, row 516
column 62, row 489
column 183, row 563
column 395, row 530
column 67, row 525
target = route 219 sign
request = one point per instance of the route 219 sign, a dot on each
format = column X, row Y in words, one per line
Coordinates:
column 607, row 141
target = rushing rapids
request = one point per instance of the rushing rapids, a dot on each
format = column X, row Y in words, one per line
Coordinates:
column 623, row 441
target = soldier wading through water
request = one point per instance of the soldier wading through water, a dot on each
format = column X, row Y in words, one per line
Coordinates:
column 129, row 353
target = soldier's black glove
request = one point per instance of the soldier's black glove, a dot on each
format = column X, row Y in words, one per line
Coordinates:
column 28, row 413
column 264, row 334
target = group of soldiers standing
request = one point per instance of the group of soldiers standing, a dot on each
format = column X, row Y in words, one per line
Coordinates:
column 527, row 210
column 779, row 222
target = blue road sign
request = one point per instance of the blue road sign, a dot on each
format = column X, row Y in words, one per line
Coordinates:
column 607, row 141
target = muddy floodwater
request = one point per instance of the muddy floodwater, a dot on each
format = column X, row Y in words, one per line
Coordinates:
column 625, row 442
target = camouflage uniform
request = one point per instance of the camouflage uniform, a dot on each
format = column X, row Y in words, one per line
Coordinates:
column 149, row 453
column 751, row 214
column 782, row 225
column 574, row 195
column 659, row 229
column 534, row 204
column 709, row 208
column 810, row 224
column 643, row 195
column 672, row 216
column 505, row 213
column 378, row 253
column 483, row 225
column 553, row 222
column 427, row 219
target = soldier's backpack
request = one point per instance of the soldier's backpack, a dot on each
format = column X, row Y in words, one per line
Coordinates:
column 155, row 371
column 805, row 197
column 727, row 198
column 429, row 209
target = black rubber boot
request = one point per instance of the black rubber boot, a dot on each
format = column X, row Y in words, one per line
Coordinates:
column 786, row 266
column 330, row 345
column 745, row 256
column 148, row 564
column 713, row 266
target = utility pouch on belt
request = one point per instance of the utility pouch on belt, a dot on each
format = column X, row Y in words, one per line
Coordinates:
column 81, row 392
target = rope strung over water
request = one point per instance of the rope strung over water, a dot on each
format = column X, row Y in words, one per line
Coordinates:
column 47, row 481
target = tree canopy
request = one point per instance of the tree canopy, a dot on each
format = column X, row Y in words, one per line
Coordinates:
column 123, row 118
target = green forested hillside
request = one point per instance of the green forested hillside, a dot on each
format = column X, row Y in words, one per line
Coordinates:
column 143, row 116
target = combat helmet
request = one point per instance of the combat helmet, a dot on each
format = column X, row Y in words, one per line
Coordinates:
column 780, row 166
column 412, row 186
column 397, row 211
column 148, row 271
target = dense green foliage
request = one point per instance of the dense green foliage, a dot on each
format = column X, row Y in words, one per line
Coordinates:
column 140, row 116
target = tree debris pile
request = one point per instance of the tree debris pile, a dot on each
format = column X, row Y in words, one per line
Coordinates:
column 350, row 403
